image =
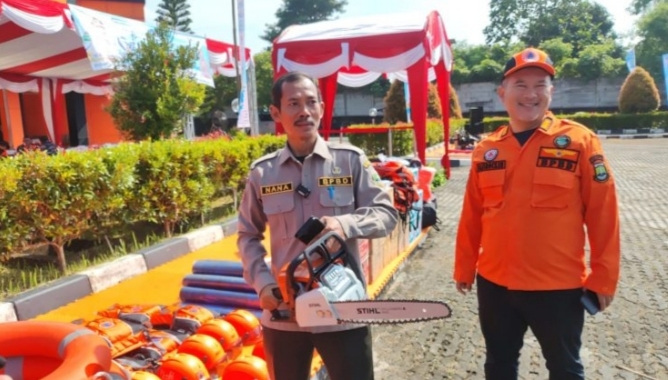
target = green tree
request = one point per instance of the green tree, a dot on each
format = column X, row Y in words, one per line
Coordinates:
column 558, row 50
column 219, row 97
column 578, row 22
column 293, row 12
column 395, row 103
column 486, row 71
column 652, row 30
column 155, row 89
column 264, row 79
column 467, row 57
column 639, row 93
column 640, row 6
column 378, row 88
column 175, row 13
column 460, row 71
column 596, row 61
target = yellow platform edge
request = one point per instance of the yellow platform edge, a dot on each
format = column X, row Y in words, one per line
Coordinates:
column 158, row 285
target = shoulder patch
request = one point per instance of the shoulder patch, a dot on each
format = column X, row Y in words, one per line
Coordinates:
column 580, row 126
column 349, row 147
column 265, row 158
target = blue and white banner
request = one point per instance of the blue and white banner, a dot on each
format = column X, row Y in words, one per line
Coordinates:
column 107, row 37
column 665, row 72
column 244, row 113
column 631, row 59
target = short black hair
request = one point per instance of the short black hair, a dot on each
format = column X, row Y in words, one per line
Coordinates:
column 290, row 77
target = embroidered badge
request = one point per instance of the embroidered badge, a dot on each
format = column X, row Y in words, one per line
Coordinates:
column 601, row 173
column 530, row 56
column 336, row 170
column 335, row 181
column 562, row 141
column 276, row 189
column 565, row 159
column 491, row 154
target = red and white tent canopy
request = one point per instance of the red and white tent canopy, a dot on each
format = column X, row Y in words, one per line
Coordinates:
column 42, row 52
column 354, row 52
column 38, row 40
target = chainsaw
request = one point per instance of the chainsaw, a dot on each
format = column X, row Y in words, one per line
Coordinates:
column 323, row 288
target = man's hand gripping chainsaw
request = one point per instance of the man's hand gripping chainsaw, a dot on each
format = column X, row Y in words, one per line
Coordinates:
column 323, row 288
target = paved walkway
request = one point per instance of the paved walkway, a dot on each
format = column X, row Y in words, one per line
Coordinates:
column 629, row 341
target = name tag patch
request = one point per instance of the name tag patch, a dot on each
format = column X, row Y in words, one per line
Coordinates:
column 276, row 189
column 491, row 165
column 564, row 159
column 335, row 181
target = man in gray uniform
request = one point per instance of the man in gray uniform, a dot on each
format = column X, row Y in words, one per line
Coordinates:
column 308, row 177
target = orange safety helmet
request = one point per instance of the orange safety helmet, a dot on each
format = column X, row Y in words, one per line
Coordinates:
column 225, row 333
column 247, row 325
column 203, row 347
column 141, row 375
column 258, row 350
column 180, row 366
column 246, row 368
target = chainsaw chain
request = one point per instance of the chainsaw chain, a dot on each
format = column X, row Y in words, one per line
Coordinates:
column 396, row 321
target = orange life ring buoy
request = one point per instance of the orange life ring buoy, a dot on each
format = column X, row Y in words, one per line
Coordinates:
column 53, row 351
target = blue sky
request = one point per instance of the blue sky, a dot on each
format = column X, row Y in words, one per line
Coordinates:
column 464, row 20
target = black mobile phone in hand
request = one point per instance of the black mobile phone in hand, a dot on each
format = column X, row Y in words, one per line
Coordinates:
column 590, row 301
column 309, row 230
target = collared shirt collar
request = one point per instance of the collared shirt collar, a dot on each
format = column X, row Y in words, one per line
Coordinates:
column 545, row 126
column 321, row 149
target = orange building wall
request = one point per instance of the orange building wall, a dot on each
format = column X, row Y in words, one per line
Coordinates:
column 4, row 126
column 101, row 128
column 129, row 10
column 33, row 116
column 11, row 116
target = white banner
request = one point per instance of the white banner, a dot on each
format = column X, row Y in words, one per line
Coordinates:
column 107, row 37
column 244, row 114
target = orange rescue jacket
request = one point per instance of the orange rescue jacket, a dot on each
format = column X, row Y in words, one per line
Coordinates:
column 526, row 207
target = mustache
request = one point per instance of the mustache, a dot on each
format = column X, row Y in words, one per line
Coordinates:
column 303, row 123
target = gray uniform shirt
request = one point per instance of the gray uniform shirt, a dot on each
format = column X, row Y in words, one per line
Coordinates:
column 343, row 184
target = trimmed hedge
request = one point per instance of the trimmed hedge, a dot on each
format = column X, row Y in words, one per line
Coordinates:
column 56, row 199
column 594, row 121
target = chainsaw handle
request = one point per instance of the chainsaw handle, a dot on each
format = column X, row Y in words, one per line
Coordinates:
column 320, row 246
column 279, row 314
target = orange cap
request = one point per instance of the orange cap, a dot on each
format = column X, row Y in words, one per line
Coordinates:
column 530, row 57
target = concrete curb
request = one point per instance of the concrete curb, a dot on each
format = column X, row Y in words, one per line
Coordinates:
column 639, row 136
column 61, row 292
column 112, row 273
column 7, row 312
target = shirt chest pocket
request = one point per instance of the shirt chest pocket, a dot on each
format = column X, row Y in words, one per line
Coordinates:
column 491, row 187
column 552, row 188
column 278, row 208
column 337, row 200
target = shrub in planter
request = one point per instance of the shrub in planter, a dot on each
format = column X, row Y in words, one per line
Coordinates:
column 12, row 234
column 57, row 196
column 639, row 93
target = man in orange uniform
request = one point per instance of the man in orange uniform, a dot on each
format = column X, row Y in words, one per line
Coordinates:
column 533, row 187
